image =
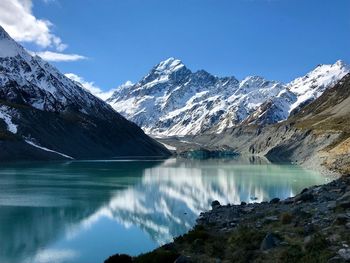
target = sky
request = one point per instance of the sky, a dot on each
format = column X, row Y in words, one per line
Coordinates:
column 105, row 43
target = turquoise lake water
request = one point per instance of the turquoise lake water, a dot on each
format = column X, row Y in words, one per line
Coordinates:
column 81, row 212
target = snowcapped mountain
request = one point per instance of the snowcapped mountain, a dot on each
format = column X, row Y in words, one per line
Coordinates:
column 173, row 100
column 299, row 93
column 44, row 114
column 171, row 96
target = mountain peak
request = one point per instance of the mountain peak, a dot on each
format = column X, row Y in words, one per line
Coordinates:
column 169, row 65
column 4, row 34
column 9, row 47
column 341, row 64
column 252, row 81
column 338, row 64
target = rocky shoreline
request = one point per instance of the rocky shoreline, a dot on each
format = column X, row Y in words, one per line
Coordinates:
column 313, row 226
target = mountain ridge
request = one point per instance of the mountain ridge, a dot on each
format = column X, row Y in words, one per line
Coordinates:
column 171, row 100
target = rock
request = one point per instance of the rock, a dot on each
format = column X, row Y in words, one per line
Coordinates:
column 335, row 259
column 243, row 203
column 270, row 219
column 304, row 190
column 344, row 253
column 270, row 241
column 343, row 204
column 274, row 200
column 305, row 197
column 169, row 246
column 341, row 219
column 344, row 197
column 284, row 243
column 119, row 258
column 334, row 238
column 347, row 225
column 183, row 259
column 215, row 204
column 309, row 229
column 248, row 209
column 288, row 201
column 307, row 240
column 337, row 190
column 331, row 205
column 224, row 224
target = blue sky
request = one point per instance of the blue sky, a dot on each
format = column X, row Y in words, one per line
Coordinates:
column 123, row 39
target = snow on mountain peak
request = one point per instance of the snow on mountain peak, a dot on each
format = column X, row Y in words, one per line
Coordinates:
column 45, row 88
column 165, row 103
column 314, row 83
column 126, row 84
column 341, row 64
column 248, row 81
column 9, row 47
column 3, row 33
column 168, row 66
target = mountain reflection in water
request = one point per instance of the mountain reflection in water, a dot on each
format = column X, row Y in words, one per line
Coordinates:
column 86, row 211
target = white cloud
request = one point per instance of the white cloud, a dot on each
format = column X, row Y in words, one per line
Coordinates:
column 91, row 87
column 18, row 20
column 54, row 255
column 48, row 1
column 58, row 57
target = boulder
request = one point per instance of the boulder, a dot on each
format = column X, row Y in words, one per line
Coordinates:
column 343, row 204
column 341, row 219
column 304, row 190
column 215, row 204
column 270, row 241
column 344, row 253
column 274, row 200
column 119, row 258
column 344, row 197
column 270, row 219
column 183, row 259
column 305, row 197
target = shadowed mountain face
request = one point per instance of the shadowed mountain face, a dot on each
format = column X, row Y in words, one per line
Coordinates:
column 90, row 210
column 173, row 100
column 45, row 115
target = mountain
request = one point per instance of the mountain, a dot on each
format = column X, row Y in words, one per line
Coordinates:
column 330, row 114
column 173, row 100
column 45, row 115
column 317, row 136
column 299, row 93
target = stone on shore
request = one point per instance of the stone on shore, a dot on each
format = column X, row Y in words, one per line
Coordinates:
column 270, row 241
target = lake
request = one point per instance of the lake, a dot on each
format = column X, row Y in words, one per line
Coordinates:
column 85, row 211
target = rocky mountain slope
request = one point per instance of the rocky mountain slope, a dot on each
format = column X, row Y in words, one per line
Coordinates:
column 173, row 100
column 45, row 115
column 317, row 135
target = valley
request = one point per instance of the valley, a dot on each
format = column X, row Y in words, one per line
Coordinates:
column 155, row 155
